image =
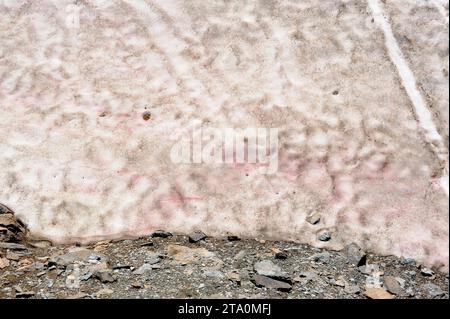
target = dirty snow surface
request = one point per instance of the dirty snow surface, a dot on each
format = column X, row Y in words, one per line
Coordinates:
column 96, row 95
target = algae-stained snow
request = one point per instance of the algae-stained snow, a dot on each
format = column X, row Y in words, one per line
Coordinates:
column 348, row 98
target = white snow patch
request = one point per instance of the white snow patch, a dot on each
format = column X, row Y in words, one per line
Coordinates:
column 409, row 82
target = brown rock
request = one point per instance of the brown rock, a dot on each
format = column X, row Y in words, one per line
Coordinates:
column 392, row 285
column 4, row 263
column 377, row 293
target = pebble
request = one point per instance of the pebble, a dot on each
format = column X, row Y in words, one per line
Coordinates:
column 12, row 246
column 161, row 234
column 352, row 289
column 426, row 272
column 4, row 263
column 392, row 285
column 105, row 276
column 377, row 293
column 281, row 255
column 324, row 236
column 313, row 219
column 269, row 269
column 233, row 238
column 145, row 268
column 323, row 257
column 197, row 236
column 408, row 262
column 263, row 281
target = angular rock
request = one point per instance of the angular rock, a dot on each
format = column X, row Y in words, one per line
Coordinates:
column 197, row 236
column 355, row 255
column 324, row 236
column 212, row 273
column 427, row 272
column 234, row 276
column 40, row 244
column 153, row 258
column 105, row 276
column 4, row 263
column 263, row 281
column 323, row 257
column 185, row 255
column 377, row 293
column 13, row 246
column 161, row 234
column 145, row 268
column 233, row 238
column 433, row 290
column 80, row 255
column 313, row 219
column 25, row 294
column 269, row 269
column 11, row 229
column 392, row 285
column 281, row 255
column 352, row 289
column 408, row 262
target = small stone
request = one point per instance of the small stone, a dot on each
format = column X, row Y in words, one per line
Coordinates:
column 408, row 262
column 324, row 236
column 355, row 255
column 352, row 289
column 12, row 246
column 12, row 256
column 213, row 273
column 105, row 276
column 196, row 236
column 234, row 276
column 4, row 263
column 161, row 234
column 186, row 255
column 340, row 282
column 392, row 285
column 39, row 266
column 105, row 291
column 25, row 294
column 269, row 269
column 41, row 244
column 377, row 293
column 322, row 258
column 80, row 255
column 427, row 272
column 313, row 219
column 153, row 258
column 137, row 285
column 263, row 281
column 233, row 238
column 148, row 244
column 281, row 255
column 143, row 269
column 433, row 290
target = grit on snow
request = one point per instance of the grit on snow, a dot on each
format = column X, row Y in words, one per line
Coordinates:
column 94, row 94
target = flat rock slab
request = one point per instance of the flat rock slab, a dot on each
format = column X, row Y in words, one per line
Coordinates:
column 270, row 283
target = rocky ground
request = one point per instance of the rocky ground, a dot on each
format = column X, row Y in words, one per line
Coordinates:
column 166, row 266
column 163, row 265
